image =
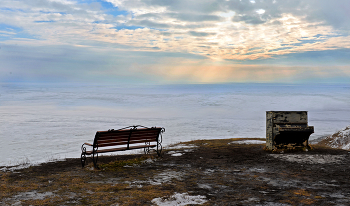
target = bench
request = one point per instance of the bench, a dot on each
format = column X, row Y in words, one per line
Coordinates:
column 128, row 138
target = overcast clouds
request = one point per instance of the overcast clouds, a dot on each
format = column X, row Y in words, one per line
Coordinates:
column 175, row 41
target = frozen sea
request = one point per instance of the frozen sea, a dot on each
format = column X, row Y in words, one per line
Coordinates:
column 45, row 122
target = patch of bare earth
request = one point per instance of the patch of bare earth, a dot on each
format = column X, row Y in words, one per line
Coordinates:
column 202, row 172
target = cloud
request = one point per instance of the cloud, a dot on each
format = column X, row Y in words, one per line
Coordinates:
column 149, row 24
column 78, row 63
column 335, row 13
column 192, row 17
column 253, row 19
column 226, row 31
column 277, row 27
column 194, row 33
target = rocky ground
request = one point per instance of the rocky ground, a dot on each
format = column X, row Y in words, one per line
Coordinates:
column 340, row 139
column 205, row 172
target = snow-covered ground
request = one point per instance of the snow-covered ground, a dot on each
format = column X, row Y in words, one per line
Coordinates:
column 248, row 142
column 180, row 199
column 46, row 122
column 310, row 159
column 340, row 139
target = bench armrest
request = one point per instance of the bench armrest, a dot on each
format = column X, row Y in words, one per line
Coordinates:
column 88, row 144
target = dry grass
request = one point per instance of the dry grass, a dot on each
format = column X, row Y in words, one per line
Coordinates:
column 89, row 187
column 121, row 164
column 229, row 174
column 301, row 192
column 301, row 196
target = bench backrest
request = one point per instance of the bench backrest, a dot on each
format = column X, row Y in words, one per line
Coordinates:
column 124, row 137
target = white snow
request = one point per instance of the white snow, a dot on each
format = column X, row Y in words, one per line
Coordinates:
column 248, row 142
column 182, row 146
column 161, row 178
column 340, row 139
column 179, row 199
column 176, row 154
column 52, row 121
column 166, row 176
column 310, row 159
column 31, row 195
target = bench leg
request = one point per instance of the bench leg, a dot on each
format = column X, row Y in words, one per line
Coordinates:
column 147, row 149
column 159, row 143
column 159, row 149
column 94, row 159
column 82, row 159
column 83, row 156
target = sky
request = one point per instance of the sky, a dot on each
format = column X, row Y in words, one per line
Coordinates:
column 175, row 41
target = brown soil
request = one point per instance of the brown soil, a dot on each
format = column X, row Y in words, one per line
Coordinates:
column 221, row 172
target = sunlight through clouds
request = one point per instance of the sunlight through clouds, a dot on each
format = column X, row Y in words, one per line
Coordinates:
column 227, row 31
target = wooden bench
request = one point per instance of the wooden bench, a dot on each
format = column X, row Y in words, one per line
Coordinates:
column 128, row 138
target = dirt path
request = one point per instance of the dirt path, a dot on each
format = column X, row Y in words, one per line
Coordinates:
column 206, row 172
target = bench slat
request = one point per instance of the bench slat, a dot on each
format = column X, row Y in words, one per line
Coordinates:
column 121, row 143
column 111, row 135
column 133, row 134
column 120, row 149
column 116, row 138
column 149, row 139
column 134, row 137
column 127, row 131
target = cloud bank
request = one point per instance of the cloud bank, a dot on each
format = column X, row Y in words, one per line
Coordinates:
column 175, row 41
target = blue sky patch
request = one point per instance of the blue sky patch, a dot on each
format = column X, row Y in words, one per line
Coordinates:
column 9, row 9
column 279, row 49
column 108, row 8
column 11, row 32
column 120, row 27
column 49, row 12
column 306, row 41
column 44, row 21
column 158, row 29
column 116, row 12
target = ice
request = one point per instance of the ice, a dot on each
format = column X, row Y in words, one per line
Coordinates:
column 46, row 122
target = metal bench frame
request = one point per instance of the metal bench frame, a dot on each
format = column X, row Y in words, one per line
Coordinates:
column 119, row 138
